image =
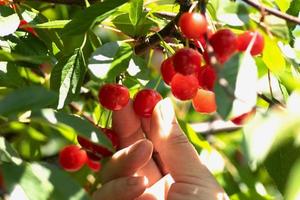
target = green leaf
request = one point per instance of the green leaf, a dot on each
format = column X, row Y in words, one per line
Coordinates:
column 123, row 23
column 13, row 57
column 79, row 125
column 10, row 76
column 7, row 153
column 52, row 24
column 82, row 22
column 26, row 45
column 283, row 4
column 224, row 98
column 280, row 161
column 9, row 21
column 39, row 182
column 272, row 55
column 27, row 98
column 197, row 140
column 67, row 76
column 293, row 189
column 136, row 10
column 138, row 68
column 110, row 60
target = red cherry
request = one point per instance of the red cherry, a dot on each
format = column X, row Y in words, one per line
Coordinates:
column 207, row 77
column 2, row 3
column 244, row 40
column 112, row 136
column 1, row 181
column 28, row 29
column 94, row 151
column 204, row 101
column 113, row 96
column 241, row 119
column 145, row 101
column 186, row 61
column 72, row 158
column 93, row 165
column 167, row 70
column 193, row 25
column 184, row 87
column 224, row 43
column 201, row 40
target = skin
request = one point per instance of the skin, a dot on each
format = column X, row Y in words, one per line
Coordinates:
column 131, row 173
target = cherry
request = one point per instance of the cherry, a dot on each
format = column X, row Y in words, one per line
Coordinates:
column 145, row 101
column 207, row 77
column 28, row 29
column 224, row 43
column 113, row 96
column 245, row 38
column 94, row 151
column 204, row 101
column 93, row 165
column 2, row 3
column 193, row 25
column 184, row 87
column 241, row 119
column 112, row 136
column 72, row 158
column 167, row 70
column 201, row 40
column 186, row 61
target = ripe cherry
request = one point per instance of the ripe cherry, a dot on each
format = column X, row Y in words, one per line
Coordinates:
column 93, row 165
column 241, row 119
column 224, row 43
column 193, row 25
column 2, row 3
column 145, row 101
column 167, row 70
column 244, row 40
column 113, row 96
column 184, row 87
column 94, row 151
column 207, row 77
column 112, row 136
column 201, row 42
column 186, row 61
column 72, row 158
column 204, row 101
column 28, row 29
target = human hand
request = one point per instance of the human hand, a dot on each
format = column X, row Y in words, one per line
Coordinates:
column 131, row 173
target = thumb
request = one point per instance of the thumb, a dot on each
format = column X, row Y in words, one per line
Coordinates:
column 176, row 152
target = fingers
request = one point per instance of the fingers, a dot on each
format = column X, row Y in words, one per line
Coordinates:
column 127, row 125
column 126, row 188
column 178, row 155
column 128, row 161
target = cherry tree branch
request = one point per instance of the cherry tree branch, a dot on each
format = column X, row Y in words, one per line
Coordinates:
column 274, row 12
column 168, row 30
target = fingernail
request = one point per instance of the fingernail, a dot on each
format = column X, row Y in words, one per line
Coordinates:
column 137, row 180
column 167, row 113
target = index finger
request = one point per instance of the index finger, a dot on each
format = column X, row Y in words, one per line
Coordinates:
column 127, row 125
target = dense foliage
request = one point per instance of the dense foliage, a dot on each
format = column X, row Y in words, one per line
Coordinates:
column 230, row 67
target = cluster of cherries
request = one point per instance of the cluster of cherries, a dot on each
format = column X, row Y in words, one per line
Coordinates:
column 184, row 72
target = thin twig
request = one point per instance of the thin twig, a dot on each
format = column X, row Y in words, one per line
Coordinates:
column 274, row 12
column 168, row 30
column 75, row 107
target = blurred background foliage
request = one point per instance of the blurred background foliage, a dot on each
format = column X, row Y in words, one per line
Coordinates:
column 49, row 84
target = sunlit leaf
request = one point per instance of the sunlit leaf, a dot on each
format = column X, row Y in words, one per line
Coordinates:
column 67, row 77
column 39, row 181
